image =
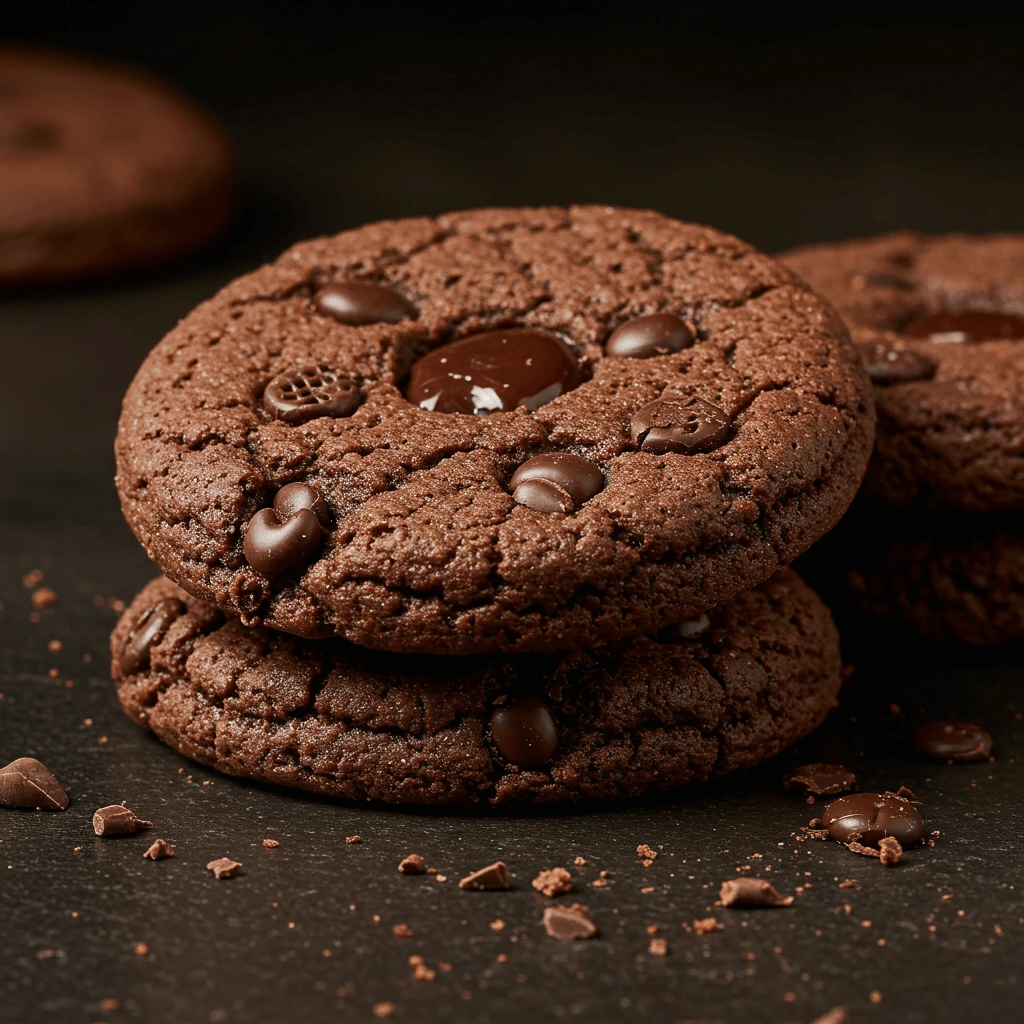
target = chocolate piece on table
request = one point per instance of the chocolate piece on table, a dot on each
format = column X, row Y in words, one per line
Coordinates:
column 159, row 850
column 117, row 820
column 572, row 922
column 869, row 817
column 492, row 877
column 28, row 783
column 224, row 867
column 751, row 893
column 412, row 865
column 952, row 741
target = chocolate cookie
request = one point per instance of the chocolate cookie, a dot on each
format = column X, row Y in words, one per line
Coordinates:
column 648, row 715
column 404, row 378
column 101, row 169
column 940, row 323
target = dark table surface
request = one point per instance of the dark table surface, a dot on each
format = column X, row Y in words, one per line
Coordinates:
column 345, row 114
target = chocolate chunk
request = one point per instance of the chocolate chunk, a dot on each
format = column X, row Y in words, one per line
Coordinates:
column 272, row 545
column 658, row 947
column 890, row 851
column 892, row 364
column 293, row 497
column 149, row 630
column 751, row 892
column 559, row 482
column 688, row 629
column 821, row 779
column 952, row 741
column 362, row 302
column 27, row 782
column 494, row 372
column 223, row 867
column 117, row 820
column 524, row 731
column 553, row 882
column 159, row 850
column 646, row 336
column 310, row 392
column 572, row 922
column 682, row 425
column 868, row 817
column 412, row 865
column 970, row 325
column 494, row 876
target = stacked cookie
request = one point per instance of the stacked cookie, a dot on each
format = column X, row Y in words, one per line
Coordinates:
column 491, row 507
column 935, row 539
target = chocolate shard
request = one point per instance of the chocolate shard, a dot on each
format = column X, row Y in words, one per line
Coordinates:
column 117, row 820
column 28, row 783
column 752, row 892
column 412, row 865
column 159, row 850
column 223, row 867
column 572, row 922
column 494, row 876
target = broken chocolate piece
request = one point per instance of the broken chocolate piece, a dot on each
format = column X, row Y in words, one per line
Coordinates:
column 572, row 922
column 223, row 867
column 159, row 850
column 412, row 865
column 117, row 820
column 752, row 892
column 27, row 782
column 494, row 876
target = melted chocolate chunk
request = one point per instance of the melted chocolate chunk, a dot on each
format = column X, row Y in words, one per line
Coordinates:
column 361, row 302
column 682, row 425
column 492, row 877
column 952, row 741
column 311, row 392
column 117, row 820
column 965, row 327
column 150, row 629
column 868, row 817
column 28, row 783
column 524, row 731
column 293, row 497
column 891, row 364
column 646, row 336
column 821, row 779
column 559, row 482
column 272, row 545
column 494, row 372
column 572, row 922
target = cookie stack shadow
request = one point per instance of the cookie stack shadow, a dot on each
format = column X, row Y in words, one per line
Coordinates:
column 491, row 509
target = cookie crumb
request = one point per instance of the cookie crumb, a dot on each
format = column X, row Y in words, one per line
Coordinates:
column 752, row 892
column 223, row 867
column 497, row 925
column 270, row 844
column 413, row 864
column 55, row 645
column 572, row 922
column 141, row 949
column 402, row 931
column 580, row 862
column 44, row 597
column 837, row 1015
column 159, row 850
column 492, row 877
column 706, row 925
column 890, row 851
column 644, row 851
column 32, row 579
column 864, row 851
column 383, row 1009
column 553, row 882
column 849, row 883
column 658, row 947
column 110, row 1005
column 351, row 840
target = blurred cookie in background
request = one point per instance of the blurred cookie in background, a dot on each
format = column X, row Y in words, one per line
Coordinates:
column 102, row 169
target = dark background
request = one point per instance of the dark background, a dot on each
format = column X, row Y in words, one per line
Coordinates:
column 778, row 126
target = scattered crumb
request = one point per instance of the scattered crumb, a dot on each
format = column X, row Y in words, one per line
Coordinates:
column 553, row 882
column 580, row 862
column 271, row 844
column 412, row 865
column 890, row 851
column 599, row 883
column 658, row 947
column 141, row 949
column 706, row 925
column 110, row 1005
column 492, row 877
column 402, row 931
column 353, row 839
column 644, row 851
column 32, row 579
column 572, row 922
column 383, row 1009
column 497, row 925
column 223, row 867
column 848, row 884
column 420, row 971
column 875, row 997
column 55, row 645
column 864, row 851
column 159, row 850
column 44, row 597
column 752, row 892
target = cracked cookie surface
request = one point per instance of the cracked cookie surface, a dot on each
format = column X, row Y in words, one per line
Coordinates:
column 647, row 715
column 949, row 437
column 425, row 548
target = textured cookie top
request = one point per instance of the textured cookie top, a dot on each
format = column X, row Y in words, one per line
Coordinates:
column 940, row 323
column 419, row 544
column 88, row 148
column 643, row 715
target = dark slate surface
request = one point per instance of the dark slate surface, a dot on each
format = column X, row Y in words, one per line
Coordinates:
column 341, row 117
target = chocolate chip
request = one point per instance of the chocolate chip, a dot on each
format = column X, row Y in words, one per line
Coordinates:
column 271, row 546
column 362, row 302
column 493, row 372
column 494, row 876
column 892, row 364
column 310, row 392
column 688, row 629
column 646, row 336
column 967, row 326
column 868, row 817
column 553, row 882
column 572, row 922
column 952, row 741
column 223, row 867
column 149, row 628
column 293, row 497
column 117, row 820
column 682, row 425
column 558, row 482
column 752, row 892
column 524, row 731
column 27, row 782
column 821, row 779
column 159, row 850
column 412, row 865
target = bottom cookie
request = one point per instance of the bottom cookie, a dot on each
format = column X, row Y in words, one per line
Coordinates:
column 649, row 715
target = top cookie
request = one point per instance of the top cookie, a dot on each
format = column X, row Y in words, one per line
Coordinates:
column 726, row 436
column 940, row 323
column 101, row 169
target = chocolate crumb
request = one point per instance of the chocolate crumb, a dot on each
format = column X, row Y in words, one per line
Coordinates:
column 402, row 931
column 141, row 949
column 752, row 892
column 353, row 839
column 706, row 925
column 270, row 844
column 110, row 1005
column 383, row 1009
column 494, row 876
column 580, row 862
column 572, row 922
column 412, row 865
column 848, row 884
column 44, row 597
column 223, row 867
column 497, row 925
column 837, row 1015
column 421, row 972
column 658, row 947
column 643, row 850
column 117, row 820
column 32, row 579
column 553, row 882
column 28, row 783
column 599, row 883
column 890, row 851
column 159, row 850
